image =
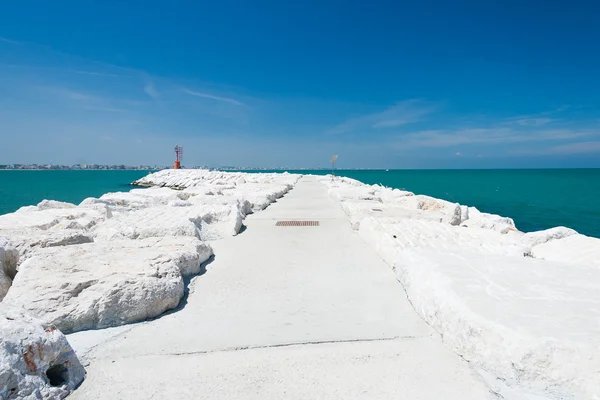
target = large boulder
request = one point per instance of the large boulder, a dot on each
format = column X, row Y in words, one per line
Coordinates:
column 575, row 249
column 9, row 257
column 532, row 323
column 103, row 284
column 51, row 224
column 533, row 239
column 180, row 218
column 478, row 219
column 36, row 361
column 182, row 179
column 391, row 236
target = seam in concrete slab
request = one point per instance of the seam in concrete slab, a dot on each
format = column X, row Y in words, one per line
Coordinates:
column 271, row 346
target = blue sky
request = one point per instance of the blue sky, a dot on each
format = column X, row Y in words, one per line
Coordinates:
column 384, row 84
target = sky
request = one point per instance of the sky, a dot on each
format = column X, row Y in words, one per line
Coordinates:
column 384, row 84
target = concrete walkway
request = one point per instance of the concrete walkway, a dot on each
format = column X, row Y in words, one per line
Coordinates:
column 282, row 313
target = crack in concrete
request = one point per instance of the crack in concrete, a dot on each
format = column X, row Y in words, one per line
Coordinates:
column 291, row 344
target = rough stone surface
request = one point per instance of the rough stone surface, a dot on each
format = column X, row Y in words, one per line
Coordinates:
column 574, row 249
column 9, row 257
column 525, row 320
column 51, row 224
column 104, row 284
column 206, row 222
column 520, row 307
column 36, row 361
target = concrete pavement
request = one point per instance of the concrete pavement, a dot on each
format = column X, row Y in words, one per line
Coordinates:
column 282, row 313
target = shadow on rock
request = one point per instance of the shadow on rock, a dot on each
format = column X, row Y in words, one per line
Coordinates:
column 186, row 289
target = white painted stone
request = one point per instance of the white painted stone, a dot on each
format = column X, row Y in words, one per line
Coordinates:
column 104, row 284
column 36, row 361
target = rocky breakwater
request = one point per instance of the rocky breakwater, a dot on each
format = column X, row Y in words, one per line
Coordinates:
column 109, row 261
column 521, row 307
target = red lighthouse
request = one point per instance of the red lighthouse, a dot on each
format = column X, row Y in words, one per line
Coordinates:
column 178, row 156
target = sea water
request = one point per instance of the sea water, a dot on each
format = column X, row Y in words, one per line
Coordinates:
column 29, row 187
column 535, row 199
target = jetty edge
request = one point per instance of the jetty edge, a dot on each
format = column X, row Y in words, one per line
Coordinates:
column 517, row 306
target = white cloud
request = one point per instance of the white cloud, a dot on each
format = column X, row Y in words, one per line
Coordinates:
column 212, row 97
column 403, row 113
column 458, row 154
column 5, row 40
column 151, row 90
column 537, row 119
column 534, row 121
column 93, row 73
column 107, row 109
column 564, row 149
column 448, row 138
column 67, row 94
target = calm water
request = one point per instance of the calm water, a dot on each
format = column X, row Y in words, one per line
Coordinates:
column 24, row 188
column 535, row 199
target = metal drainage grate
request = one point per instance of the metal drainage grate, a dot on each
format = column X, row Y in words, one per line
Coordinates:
column 297, row 223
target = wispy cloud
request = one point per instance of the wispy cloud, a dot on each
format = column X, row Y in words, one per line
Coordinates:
column 448, row 138
column 5, row 40
column 403, row 113
column 534, row 121
column 537, row 119
column 212, row 97
column 589, row 147
column 151, row 90
column 93, row 73
column 106, row 109
column 84, row 100
column 66, row 93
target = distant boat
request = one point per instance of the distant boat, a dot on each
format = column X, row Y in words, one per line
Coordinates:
column 387, row 170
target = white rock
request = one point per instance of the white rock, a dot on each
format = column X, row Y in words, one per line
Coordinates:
column 527, row 321
column 9, row 258
column 532, row 239
column 104, row 284
column 36, row 361
column 391, row 236
column 182, row 179
column 36, row 228
column 259, row 190
column 206, row 222
column 464, row 213
column 51, row 204
column 494, row 222
column 574, row 249
column 5, row 284
column 357, row 210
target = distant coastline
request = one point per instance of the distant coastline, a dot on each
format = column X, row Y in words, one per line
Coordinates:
column 103, row 167
column 80, row 167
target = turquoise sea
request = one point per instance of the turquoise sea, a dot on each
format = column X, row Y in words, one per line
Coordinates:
column 535, row 199
column 28, row 187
